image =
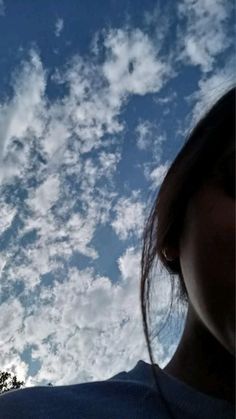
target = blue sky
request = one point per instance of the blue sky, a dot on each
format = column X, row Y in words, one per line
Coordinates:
column 96, row 98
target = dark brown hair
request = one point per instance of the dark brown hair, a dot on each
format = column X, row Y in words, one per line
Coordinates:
column 194, row 164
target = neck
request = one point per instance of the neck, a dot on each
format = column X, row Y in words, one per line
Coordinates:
column 202, row 362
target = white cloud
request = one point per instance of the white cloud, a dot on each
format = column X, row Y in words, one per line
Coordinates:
column 87, row 112
column 81, row 232
column 166, row 99
column 2, row 265
column 2, row 8
column 211, row 88
column 80, row 321
column 7, row 214
column 205, row 33
column 81, row 317
column 159, row 20
column 57, row 136
column 129, row 264
column 21, row 118
column 132, row 64
column 45, row 195
column 13, row 363
column 129, row 216
column 109, row 161
column 85, row 317
column 11, row 322
column 25, row 109
column 149, row 137
column 144, row 139
column 11, row 314
column 157, row 175
column 59, row 27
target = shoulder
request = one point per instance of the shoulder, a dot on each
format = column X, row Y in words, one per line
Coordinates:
column 103, row 399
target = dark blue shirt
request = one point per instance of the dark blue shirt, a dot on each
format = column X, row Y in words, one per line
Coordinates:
column 127, row 395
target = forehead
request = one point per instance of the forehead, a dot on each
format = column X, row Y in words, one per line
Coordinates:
column 211, row 210
column 211, row 190
column 227, row 157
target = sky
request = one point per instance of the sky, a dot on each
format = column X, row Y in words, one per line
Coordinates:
column 96, row 100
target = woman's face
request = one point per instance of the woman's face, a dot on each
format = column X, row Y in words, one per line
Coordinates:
column 207, row 258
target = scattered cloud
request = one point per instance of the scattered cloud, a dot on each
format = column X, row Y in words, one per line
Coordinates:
column 157, row 175
column 132, row 64
column 80, row 320
column 64, row 154
column 203, row 31
column 45, row 195
column 211, row 88
column 88, row 112
column 7, row 215
column 144, row 139
column 2, row 8
column 78, row 323
column 22, row 118
column 159, row 21
column 129, row 216
column 150, row 138
column 59, row 27
column 166, row 99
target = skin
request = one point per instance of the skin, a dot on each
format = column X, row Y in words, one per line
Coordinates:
column 205, row 356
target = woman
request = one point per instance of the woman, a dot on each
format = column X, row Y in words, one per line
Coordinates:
column 191, row 229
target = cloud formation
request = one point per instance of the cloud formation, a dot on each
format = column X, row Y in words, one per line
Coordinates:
column 59, row 27
column 205, row 33
column 46, row 147
column 129, row 216
column 62, row 183
column 2, row 8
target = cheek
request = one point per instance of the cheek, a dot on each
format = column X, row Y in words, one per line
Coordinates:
column 207, row 247
column 208, row 266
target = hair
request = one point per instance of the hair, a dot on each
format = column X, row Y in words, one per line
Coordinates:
column 194, row 164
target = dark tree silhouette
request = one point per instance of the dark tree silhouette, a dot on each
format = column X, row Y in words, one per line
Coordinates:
column 9, row 382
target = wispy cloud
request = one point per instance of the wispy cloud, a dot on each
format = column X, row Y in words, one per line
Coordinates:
column 132, row 64
column 210, row 88
column 2, row 8
column 129, row 216
column 204, row 32
column 7, row 215
column 157, row 175
column 144, row 131
column 63, row 156
column 78, row 322
column 21, row 118
column 59, row 27
column 150, row 138
column 45, row 147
